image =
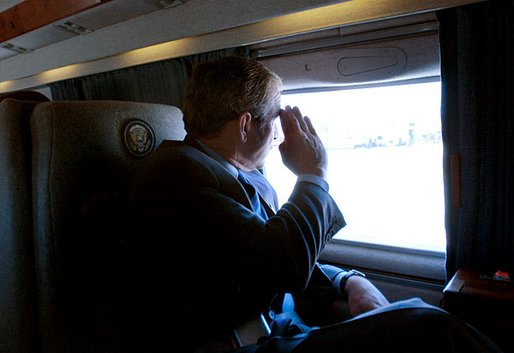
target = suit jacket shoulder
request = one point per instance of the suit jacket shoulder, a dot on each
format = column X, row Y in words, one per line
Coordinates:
column 200, row 242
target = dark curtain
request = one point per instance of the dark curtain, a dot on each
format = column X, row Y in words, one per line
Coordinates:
column 477, row 121
column 160, row 82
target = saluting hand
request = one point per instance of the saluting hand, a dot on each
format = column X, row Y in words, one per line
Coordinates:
column 302, row 150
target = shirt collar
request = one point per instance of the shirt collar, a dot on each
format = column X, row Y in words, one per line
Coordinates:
column 219, row 158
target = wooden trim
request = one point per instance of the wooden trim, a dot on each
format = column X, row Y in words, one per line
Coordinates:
column 32, row 14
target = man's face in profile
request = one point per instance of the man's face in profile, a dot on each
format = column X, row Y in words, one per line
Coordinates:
column 264, row 134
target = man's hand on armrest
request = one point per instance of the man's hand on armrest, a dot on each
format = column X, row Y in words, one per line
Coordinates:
column 363, row 295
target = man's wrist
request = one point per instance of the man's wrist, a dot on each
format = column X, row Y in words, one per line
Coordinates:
column 320, row 172
column 314, row 179
column 347, row 275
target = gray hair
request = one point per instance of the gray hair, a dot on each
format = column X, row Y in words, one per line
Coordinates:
column 222, row 90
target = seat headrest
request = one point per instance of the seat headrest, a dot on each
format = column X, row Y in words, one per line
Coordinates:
column 25, row 96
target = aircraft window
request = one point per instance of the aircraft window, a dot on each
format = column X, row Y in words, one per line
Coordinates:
column 385, row 161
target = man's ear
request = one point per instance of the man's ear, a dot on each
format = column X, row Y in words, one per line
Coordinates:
column 244, row 125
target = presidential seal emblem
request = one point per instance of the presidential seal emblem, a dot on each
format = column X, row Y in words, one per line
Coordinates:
column 138, row 137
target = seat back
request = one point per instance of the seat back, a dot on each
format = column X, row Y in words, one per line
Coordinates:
column 83, row 156
column 17, row 281
column 30, row 96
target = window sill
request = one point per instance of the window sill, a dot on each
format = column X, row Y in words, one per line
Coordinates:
column 399, row 273
column 415, row 264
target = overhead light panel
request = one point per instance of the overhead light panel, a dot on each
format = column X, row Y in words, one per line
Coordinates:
column 166, row 4
column 73, row 28
column 15, row 48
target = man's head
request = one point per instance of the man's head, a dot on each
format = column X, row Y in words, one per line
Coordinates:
column 234, row 100
column 222, row 90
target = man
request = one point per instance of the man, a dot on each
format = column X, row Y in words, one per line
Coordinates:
column 214, row 250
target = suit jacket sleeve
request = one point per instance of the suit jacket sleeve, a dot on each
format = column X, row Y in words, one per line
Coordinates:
column 190, row 201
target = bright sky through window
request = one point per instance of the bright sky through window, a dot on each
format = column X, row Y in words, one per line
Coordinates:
column 385, row 161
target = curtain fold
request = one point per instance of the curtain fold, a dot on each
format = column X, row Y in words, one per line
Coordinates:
column 477, row 43
column 160, row 82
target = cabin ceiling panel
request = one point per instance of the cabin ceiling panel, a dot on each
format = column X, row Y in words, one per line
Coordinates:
column 4, row 53
column 106, row 15
column 144, row 30
column 194, row 27
column 6, row 4
column 45, row 36
column 113, row 12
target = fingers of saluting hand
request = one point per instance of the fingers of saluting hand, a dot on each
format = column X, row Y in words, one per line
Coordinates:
column 302, row 150
column 293, row 121
column 309, row 125
column 285, row 120
column 300, row 119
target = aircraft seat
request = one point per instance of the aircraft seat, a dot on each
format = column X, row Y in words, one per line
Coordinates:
column 83, row 156
column 31, row 96
column 17, row 280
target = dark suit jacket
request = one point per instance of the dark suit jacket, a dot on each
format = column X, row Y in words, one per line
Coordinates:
column 205, row 261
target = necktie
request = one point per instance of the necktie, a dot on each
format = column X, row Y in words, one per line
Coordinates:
column 253, row 195
column 285, row 318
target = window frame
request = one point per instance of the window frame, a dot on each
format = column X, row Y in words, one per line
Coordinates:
column 425, row 267
column 420, row 265
column 378, row 257
column 402, row 267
